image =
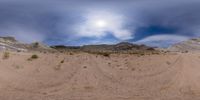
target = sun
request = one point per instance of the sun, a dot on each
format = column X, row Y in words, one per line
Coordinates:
column 100, row 23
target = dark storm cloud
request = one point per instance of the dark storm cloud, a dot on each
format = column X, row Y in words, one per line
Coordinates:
column 34, row 20
column 182, row 15
column 180, row 18
column 52, row 21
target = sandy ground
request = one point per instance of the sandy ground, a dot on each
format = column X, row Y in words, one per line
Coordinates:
column 91, row 77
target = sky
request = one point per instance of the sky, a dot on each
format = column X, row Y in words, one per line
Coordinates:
column 160, row 23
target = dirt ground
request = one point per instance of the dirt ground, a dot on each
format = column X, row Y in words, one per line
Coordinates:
column 84, row 76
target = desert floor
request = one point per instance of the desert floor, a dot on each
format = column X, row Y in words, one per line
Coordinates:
column 85, row 76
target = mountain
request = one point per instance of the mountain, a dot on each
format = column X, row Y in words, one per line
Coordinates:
column 10, row 43
column 120, row 47
column 190, row 45
column 123, row 47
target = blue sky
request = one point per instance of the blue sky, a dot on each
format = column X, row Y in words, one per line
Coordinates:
column 79, row 22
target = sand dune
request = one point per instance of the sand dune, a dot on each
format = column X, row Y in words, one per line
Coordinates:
column 88, row 77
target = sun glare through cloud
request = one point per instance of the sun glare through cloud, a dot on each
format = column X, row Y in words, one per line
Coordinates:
column 100, row 24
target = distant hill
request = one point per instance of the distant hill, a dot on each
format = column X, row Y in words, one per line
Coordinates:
column 10, row 43
column 190, row 45
column 120, row 47
column 123, row 47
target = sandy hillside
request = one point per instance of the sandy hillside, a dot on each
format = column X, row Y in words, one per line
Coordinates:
column 93, row 77
column 189, row 45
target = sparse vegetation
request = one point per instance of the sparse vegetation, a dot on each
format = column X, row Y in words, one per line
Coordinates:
column 71, row 53
column 155, row 53
column 105, row 54
column 36, row 45
column 34, row 56
column 18, row 67
column 142, row 54
column 84, row 66
column 133, row 69
column 168, row 63
column 6, row 55
column 88, row 87
column 185, row 51
column 58, row 67
column 62, row 61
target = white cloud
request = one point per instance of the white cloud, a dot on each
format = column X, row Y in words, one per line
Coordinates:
column 113, row 24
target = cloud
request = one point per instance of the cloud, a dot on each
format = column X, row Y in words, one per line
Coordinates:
column 180, row 14
column 114, row 24
column 23, row 34
column 64, row 21
column 163, row 40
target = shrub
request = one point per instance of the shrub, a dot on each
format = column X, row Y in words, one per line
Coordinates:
column 34, row 56
column 71, row 53
column 18, row 67
column 62, row 61
column 142, row 54
column 36, row 45
column 106, row 54
column 6, row 55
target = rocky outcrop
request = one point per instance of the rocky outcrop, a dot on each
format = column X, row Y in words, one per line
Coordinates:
column 11, row 44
